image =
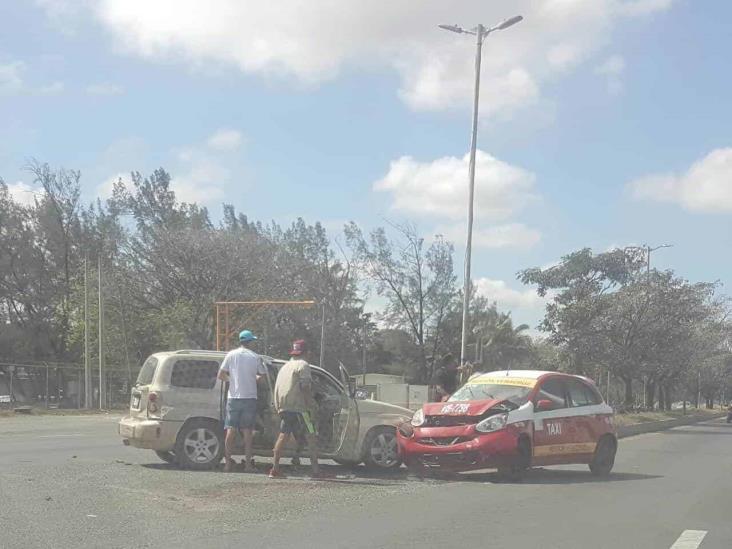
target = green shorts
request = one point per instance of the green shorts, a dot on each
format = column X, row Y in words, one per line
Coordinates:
column 297, row 423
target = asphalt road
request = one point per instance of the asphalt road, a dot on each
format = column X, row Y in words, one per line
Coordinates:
column 69, row 482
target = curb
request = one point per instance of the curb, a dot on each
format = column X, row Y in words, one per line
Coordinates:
column 655, row 426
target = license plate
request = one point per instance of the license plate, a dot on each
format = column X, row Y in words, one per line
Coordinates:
column 136, row 402
column 127, row 431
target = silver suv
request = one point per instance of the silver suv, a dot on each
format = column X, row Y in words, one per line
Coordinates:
column 177, row 409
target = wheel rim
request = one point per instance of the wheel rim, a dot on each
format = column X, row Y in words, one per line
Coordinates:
column 384, row 451
column 201, row 445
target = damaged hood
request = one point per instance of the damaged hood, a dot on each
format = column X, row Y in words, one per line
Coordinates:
column 467, row 408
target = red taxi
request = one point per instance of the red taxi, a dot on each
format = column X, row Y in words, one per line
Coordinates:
column 512, row 420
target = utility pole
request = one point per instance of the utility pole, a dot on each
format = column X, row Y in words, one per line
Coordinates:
column 480, row 33
column 471, row 193
column 88, row 401
column 100, row 324
column 649, row 251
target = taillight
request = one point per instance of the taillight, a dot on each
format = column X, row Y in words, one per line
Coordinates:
column 153, row 402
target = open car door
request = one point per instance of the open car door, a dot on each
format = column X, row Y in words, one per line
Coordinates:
column 350, row 419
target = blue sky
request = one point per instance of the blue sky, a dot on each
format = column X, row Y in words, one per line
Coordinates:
column 603, row 123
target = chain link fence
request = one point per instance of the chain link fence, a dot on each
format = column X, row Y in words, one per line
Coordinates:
column 56, row 385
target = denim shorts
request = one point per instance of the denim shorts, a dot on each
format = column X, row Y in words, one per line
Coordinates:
column 241, row 413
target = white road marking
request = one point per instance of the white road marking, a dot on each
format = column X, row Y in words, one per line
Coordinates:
column 62, row 435
column 689, row 539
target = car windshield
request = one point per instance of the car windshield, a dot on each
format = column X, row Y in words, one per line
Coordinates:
column 484, row 391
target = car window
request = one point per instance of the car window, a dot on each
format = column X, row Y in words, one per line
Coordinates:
column 593, row 395
column 194, row 373
column 553, row 389
column 324, row 388
column 579, row 393
column 147, row 372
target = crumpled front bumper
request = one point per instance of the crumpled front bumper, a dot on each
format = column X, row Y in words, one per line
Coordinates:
column 472, row 449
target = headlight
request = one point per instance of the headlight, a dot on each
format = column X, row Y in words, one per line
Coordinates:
column 418, row 418
column 490, row 424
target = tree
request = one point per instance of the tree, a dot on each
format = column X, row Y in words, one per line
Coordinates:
column 610, row 314
column 417, row 280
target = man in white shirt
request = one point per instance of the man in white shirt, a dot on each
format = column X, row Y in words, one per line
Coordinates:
column 242, row 368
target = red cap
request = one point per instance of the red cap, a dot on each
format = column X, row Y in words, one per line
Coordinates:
column 298, row 347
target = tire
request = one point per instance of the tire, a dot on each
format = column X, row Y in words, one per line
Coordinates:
column 200, row 445
column 604, row 458
column 380, row 449
column 167, row 457
column 517, row 470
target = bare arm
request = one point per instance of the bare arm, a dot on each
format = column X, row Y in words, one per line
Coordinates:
column 223, row 376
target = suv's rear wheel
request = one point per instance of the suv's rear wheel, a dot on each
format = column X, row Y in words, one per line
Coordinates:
column 380, row 449
column 604, row 458
column 167, row 457
column 200, row 445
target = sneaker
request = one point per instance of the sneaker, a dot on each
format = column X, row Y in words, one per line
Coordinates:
column 276, row 474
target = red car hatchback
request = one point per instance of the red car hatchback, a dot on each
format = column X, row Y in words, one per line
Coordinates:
column 512, row 420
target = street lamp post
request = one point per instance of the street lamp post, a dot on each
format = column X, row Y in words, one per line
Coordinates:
column 480, row 32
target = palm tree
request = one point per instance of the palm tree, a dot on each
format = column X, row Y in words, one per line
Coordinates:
column 501, row 343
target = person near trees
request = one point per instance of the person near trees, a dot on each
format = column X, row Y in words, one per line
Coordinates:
column 296, row 406
column 242, row 368
column 446, row 377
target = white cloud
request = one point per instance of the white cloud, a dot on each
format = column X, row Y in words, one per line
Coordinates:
column 509, row 298
column 11, row 80
column 65, row 15
column 54, row 88
column 564, row 56
column 312, row 41
column 199, row 178
column 510, row 236
column 705, row 187
column 612, row 68
column 644, row 7
column 613, row 65
column 23, row 193
column 440, row 188
column 225, row 140
column 104, row 88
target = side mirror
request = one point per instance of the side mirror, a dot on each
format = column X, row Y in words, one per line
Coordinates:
column 544, row 405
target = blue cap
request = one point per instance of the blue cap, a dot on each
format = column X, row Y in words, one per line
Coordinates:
column 246, row 335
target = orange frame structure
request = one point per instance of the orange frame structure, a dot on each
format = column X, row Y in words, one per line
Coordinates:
column 224, row 331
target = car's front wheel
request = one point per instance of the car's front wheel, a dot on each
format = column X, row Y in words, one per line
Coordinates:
column 516, row 470
column 381, row 451
column 200, row 445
